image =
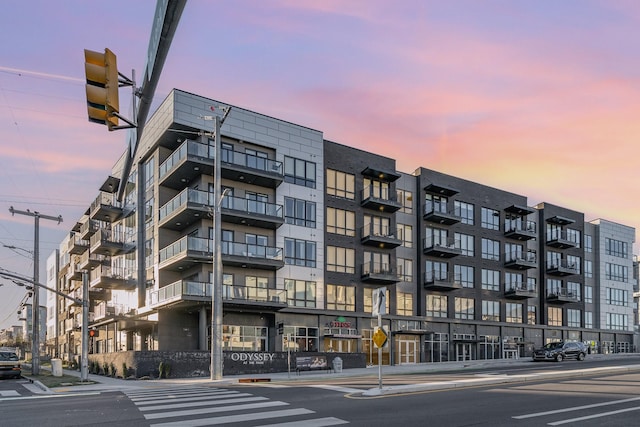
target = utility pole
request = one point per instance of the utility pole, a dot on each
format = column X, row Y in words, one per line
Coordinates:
column 35, row 302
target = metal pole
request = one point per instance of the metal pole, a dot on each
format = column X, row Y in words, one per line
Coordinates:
column 35, row 302
column 84, row 361
column 379, row 355
column 216, row 286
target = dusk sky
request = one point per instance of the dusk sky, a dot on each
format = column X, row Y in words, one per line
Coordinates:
column 537, row 97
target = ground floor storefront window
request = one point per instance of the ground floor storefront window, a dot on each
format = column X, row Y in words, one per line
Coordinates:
column 370, row 349
column 436, row 347
column 244, row 338
column 300, row 338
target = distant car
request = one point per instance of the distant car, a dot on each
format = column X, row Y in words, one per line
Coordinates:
column 9, row 365
column 558, row 351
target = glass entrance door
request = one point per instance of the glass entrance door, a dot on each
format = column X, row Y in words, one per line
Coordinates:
column 407, row 352
column 463, row 351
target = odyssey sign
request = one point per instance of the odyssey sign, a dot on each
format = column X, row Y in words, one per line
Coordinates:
column 252, row 357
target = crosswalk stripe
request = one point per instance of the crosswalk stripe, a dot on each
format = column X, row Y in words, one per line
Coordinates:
column 235, row 418
column 192, row 399
column 202, row 403
column 214, row 410
column 137, row 395
column 171, row 397
column 315, row 422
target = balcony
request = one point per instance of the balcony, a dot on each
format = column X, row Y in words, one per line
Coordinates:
column 181, row 292
column 185, row 253
column 520, row 291
column 379, row 236
column 561, row 268
column 520, row 261
column 441, row 190
column 105, row 310
column 106, row 208
column 253, row 213
column 441, row 281
column 106, row 242
column 381, row 273
column 252, row 256
column 521, row 230
column 379, row 199
column 107, row 277
column 560, row 240
column 187, row 162
column 88, row 228
column 435, row 248
column 251, row 169
column 185, row 209
column 75, row 271
column 89, row 260
column 71, row 324
column 76, row 245
column 253, row 296
column 437, row 213
column 562, row 296
column 98, row 294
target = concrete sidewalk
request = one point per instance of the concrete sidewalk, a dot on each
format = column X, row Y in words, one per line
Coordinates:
column 103, row 383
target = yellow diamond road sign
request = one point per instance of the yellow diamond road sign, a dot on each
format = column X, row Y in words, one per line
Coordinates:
column 379, row 337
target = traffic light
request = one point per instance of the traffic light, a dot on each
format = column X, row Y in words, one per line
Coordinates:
column 102, row 87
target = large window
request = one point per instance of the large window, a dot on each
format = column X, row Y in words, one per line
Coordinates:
column 617, row 321
column 573, row 318
column 513, row 312
column 405, row 269
column 376, row 189
column 588, row 319
column 244, row 338
column 491, row 249
column 491, row 310
column 368, row 300
column 490, row 219
column 574, row 236
column 617, row 297
column 616, row 272
column 341, row 222
column 300, row 212
column 300, row 293
column 466, row 243
column 300, row 338
column 573, row 288
column 464, row 308
column 588, row 294
column 616, row 248
column 554, row 316
column 341, row 184
column 341, row 298
column 377, row 226
column 588, row 243
column 341, row 260
column 375, row 262
column 405, row 233
column 404, row 303
column 588, row 268
column 300, row 172
column 405, row 197
column 464, row 274
column 437, row 306
column 465, row 210
column 490, row 280
column 300, row 252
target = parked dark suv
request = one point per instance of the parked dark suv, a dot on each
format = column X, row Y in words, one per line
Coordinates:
column 559, row 351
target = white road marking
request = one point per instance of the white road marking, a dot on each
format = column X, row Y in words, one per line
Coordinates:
column 575, row 408
column 235, row 418
column 589, row 417
column 214, row 410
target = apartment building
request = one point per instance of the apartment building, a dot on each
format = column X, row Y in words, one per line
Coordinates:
column 309, row 230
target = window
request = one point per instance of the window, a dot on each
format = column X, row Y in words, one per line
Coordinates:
column 573, row 290
column 404, row 304
column 405, row 233
column 341, row 260
column 490, row 280
column 588, row 294
column 437, row 306
column 405, row 269
column 341, row 222
column 465, row 210
column 573, row 318
column 554, row 287
column 300, row 212
column 466, row 243
column 617, row 297
column 435, row 203
column 464, row 274
column 300, row 252
column 513, row 313
column 574, row 236
column 490, row 219
column 341, row 184
column 405, row 198
column 588, row 268
column 376, row 226
column 616, row 248
column 554, row 315
column 464, row 308
column 243, row 338
column 375, row 262
column 302, row 338
column 436, row 271
column 513, row 281
column 588, row 319
column 588, row 243
column 299, row 172
column 300, row 293
column 368, row 300
column 513, row 252
column 341, row 298
column 532, row 317
column 375, row 189
column 491, row 311
column 491, row 249
column 616, row 321
column 616, row 272
column 574, row 263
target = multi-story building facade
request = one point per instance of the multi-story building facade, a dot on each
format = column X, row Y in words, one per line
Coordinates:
column 310, row 228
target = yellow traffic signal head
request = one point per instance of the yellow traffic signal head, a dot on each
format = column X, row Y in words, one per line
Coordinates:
column 102, row 87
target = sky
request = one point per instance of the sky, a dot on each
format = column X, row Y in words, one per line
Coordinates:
column 537, row 97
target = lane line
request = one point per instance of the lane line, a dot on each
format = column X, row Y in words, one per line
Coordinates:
column 575, row 408
column 235, row 418
column 316, row 422
column 590, row 417
column 213, row 410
